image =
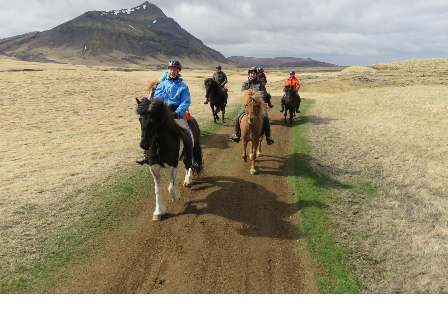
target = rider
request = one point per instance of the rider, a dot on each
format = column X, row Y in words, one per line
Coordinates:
column 292, row 80
column 221, row 78
column 262, row 77
column 256, row 85
column 175, row 93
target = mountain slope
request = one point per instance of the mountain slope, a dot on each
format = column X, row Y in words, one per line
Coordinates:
column 142, row 35
column 279, row 62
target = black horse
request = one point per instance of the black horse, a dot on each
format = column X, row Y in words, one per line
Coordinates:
column 164, row 142
column 214, row 94
column 291, row 101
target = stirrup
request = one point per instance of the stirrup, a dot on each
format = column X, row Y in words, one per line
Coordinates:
column 269, row 140
column 235, row 138
column 142, row 160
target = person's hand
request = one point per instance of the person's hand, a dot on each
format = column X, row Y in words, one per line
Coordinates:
column 175, row 116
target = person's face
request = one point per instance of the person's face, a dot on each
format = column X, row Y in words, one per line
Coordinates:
column 218, row 70
column 173, row 72
column 252, row 75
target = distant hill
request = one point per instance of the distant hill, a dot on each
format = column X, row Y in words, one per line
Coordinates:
column 279, row 62
column 139, row 36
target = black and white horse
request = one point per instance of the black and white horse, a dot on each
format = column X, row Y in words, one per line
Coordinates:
column 164, row 142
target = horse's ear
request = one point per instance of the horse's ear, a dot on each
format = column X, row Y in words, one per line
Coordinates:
column 138, row 101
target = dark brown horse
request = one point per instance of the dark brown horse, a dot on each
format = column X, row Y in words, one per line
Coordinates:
column 214, row 94
column 163, row 140
column 252, row 125
column 291, row 100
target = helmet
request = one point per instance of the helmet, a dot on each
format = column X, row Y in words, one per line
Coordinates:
column 252, row 69
column 218, row 67
column 292, row 72
column 174, row 63
column 260, row 70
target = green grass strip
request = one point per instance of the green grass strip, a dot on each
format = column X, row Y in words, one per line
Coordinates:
column 313, row 191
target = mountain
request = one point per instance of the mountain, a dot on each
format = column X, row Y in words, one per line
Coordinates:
column 279, row 62
column 138, row 36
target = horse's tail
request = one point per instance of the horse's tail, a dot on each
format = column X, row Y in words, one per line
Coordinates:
column 197, row 154
column 197, row 150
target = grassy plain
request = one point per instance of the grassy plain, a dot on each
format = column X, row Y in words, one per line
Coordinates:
column 67, row 130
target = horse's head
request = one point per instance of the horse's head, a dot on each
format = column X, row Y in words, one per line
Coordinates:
column 151, row 116
column 208, row 83
column 288, row 88
column 253, row 104
column 152, row 88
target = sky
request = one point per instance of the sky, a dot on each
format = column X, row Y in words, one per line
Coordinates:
column 342, row 32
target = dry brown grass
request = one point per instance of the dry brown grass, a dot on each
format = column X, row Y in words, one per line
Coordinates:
column 387, row 124
column 63, row 129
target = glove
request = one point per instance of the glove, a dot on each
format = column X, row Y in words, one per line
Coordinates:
column 175, row 115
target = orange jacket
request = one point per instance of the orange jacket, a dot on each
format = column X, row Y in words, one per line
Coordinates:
column 294, row 81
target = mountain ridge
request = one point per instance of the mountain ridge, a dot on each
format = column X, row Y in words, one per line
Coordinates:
column 139, row 36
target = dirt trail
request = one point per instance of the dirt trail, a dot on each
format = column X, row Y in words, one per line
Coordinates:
column 232, row 232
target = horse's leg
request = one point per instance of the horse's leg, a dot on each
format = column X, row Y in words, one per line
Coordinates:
column 259, row 145
column 286, row 113
column 188, row 181
column 291, row 115
column 175, row 194
column 244, row 144
column 223, row 112
column 254, row 148
column 213, row 111
column 160, row 208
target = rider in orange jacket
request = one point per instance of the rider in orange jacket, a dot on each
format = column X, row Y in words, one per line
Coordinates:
column 292, row 80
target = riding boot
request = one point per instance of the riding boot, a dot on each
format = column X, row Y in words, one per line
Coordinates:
column 267, row 130
column 269, row 100
column 189, row 156
column 298, row 105
column 236, row 137
column 283, row 104
column 225, row 97
column 206, row 101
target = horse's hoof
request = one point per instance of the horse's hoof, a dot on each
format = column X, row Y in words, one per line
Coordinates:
column 253, row 172
column 176, row 196
column 156, row 217
column 259, row 154
column 188, row 185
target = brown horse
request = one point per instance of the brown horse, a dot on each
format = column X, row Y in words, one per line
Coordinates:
column 152, row 88
column 252, row 125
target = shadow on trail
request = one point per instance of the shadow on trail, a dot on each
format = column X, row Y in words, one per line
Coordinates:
column 259, row 210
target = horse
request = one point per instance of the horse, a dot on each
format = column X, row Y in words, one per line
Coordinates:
column 251, row 125
column 291, row 99
column 152, row 88
column 163, row 140
column 214, row 94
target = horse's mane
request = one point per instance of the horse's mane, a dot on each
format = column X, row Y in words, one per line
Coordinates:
column 213, row 84
column 152, row 85
column 163, row 114
column 291, row 95
column 252, row 97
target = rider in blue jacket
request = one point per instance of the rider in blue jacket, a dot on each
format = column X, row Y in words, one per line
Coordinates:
column 175, row 93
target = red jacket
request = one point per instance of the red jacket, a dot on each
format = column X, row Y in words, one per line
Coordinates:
column 293, row 81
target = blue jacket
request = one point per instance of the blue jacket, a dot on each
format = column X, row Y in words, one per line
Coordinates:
column 174, row 92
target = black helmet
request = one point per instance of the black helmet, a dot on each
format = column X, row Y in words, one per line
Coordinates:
column 292, row 72
column 260, row 70
column 252, row 69
column 218, row 67
column 174, row 63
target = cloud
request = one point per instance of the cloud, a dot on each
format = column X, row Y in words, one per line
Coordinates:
column 337, row 31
